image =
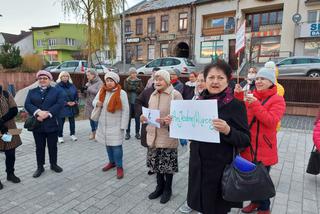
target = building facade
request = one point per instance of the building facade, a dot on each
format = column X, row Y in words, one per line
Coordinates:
column 156, row 30
column 24, row 41
column 59, row 42
column 270, row 29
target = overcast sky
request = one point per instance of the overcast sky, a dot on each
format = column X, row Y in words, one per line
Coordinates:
column 23, row 14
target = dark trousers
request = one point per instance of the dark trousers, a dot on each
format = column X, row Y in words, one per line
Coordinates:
column 10, row 160
column 41, row 139
column 264, row 204
column 72, row 125
column 136, row 119
column 94, row 125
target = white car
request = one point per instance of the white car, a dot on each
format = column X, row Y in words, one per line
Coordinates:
column 184, row 65
column 102, row 68
column 72, row 66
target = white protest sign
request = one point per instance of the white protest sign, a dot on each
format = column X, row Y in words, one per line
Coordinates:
column 151, row 115
column 192, row 120
column 241, row 38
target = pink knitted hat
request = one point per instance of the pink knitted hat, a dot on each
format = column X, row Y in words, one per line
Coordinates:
column 44, row 73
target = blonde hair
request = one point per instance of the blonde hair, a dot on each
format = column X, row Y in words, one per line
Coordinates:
column 63, row 73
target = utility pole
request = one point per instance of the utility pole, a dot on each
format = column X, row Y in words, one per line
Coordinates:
column 123, row 37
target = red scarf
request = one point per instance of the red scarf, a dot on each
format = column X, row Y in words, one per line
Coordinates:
column 115, row 100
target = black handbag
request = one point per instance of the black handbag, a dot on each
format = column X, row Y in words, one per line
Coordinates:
column 255, row 185
column 31, row 123
column 314, row 162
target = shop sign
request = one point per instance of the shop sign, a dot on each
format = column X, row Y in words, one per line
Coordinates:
column 166, row 37
column 50, row 52
column 133, row 40
column 210, row 38
column 241, row 38
column 310, row 30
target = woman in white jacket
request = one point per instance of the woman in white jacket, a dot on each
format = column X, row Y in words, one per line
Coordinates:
column 113, row 120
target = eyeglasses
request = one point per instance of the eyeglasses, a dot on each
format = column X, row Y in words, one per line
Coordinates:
column 43, row 78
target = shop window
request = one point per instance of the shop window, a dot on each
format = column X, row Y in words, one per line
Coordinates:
column 164, row 50
column 183, row 21
column 313, row 16
column 139, row 50
column 264, row 48
column 151, row 52
column 312, row 48
column 165, row 23
column 211, row 48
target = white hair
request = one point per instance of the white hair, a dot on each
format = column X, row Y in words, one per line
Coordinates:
column 62, row 73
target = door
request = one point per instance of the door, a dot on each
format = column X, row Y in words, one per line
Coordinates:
column 149, row 67
column 233, row 61
column 285, row 67
column 171, row 63
column 300, row 65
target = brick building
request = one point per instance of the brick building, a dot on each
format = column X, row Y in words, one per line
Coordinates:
column 157, row 28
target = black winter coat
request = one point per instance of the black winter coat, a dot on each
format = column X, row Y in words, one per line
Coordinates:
column 143, row 101
column 208, row 160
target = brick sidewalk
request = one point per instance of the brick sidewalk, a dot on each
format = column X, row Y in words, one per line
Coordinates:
column 84, row 188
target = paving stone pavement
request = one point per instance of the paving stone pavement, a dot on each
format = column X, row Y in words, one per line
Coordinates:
column 83, row 188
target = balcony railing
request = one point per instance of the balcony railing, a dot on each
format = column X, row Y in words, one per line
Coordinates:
column 216, row 31
column 263, row 28
column 61, row 44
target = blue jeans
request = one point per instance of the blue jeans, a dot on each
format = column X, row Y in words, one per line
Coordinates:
column 264, row 204
column 94, row 125
column 72, row 125
column 115, row 154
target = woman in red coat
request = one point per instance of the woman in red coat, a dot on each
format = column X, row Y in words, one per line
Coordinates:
column 316, row 132
column 264, row 109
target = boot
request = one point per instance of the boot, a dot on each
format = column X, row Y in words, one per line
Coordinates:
column 108, row 167
column 167, row 189
column 56, row 168
column 250, row 208
column 159, row 189
column 127, row 136
column 13, row 178
column 38, row 172
column 119, row 172
column 1, row 186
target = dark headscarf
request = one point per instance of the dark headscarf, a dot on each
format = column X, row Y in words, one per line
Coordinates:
column 224, row 97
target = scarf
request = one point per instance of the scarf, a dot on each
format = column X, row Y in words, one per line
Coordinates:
column 173, row 81
column 223, row 98
column 115, row 101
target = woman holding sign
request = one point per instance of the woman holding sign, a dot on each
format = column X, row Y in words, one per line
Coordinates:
column 162, row 155
column 208, row 160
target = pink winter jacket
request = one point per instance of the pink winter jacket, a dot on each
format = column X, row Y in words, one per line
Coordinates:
column 316, row 133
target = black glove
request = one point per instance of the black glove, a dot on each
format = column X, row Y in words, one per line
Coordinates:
column 4, row 129
column 83, row 88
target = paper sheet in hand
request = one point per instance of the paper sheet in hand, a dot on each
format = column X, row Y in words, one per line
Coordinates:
column 192, row 120
column 152, row 115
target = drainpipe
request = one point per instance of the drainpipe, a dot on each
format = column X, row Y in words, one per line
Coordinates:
column 191, row 36
column 294, row 39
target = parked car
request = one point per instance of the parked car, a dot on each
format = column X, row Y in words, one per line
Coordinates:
column 72, row 66
column 51, row 65
column 103, row 68
column 300, row 66
column 184, row 65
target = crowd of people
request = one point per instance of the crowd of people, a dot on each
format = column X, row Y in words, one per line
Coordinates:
column 249, row 118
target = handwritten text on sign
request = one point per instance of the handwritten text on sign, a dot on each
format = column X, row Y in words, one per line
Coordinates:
column 192, row 120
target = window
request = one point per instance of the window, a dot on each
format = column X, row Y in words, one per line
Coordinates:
column 70, row 42
column 301, row 61
column 39, row 43
column 189, row 62
column 154, row 63
column 211, row 48
column 315, row 60
column 151, row 25
column 151, row 52
column 139, row 26
column 183, row 21
column 265, row 47
column 139, row 50
column 72, row 64
column 52, row 42
column 164, row 50
column 127, row 26
column 170, row 62
column 312, row 48
column 265, row 18
column 165, row 23
column 286, row 62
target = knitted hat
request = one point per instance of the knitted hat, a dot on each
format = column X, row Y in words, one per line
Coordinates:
column 174, row 71
column 164, row 74
column 267, row 73
column 270, row 65
column 132, row 70
column 115, row 77
column 44, row 73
